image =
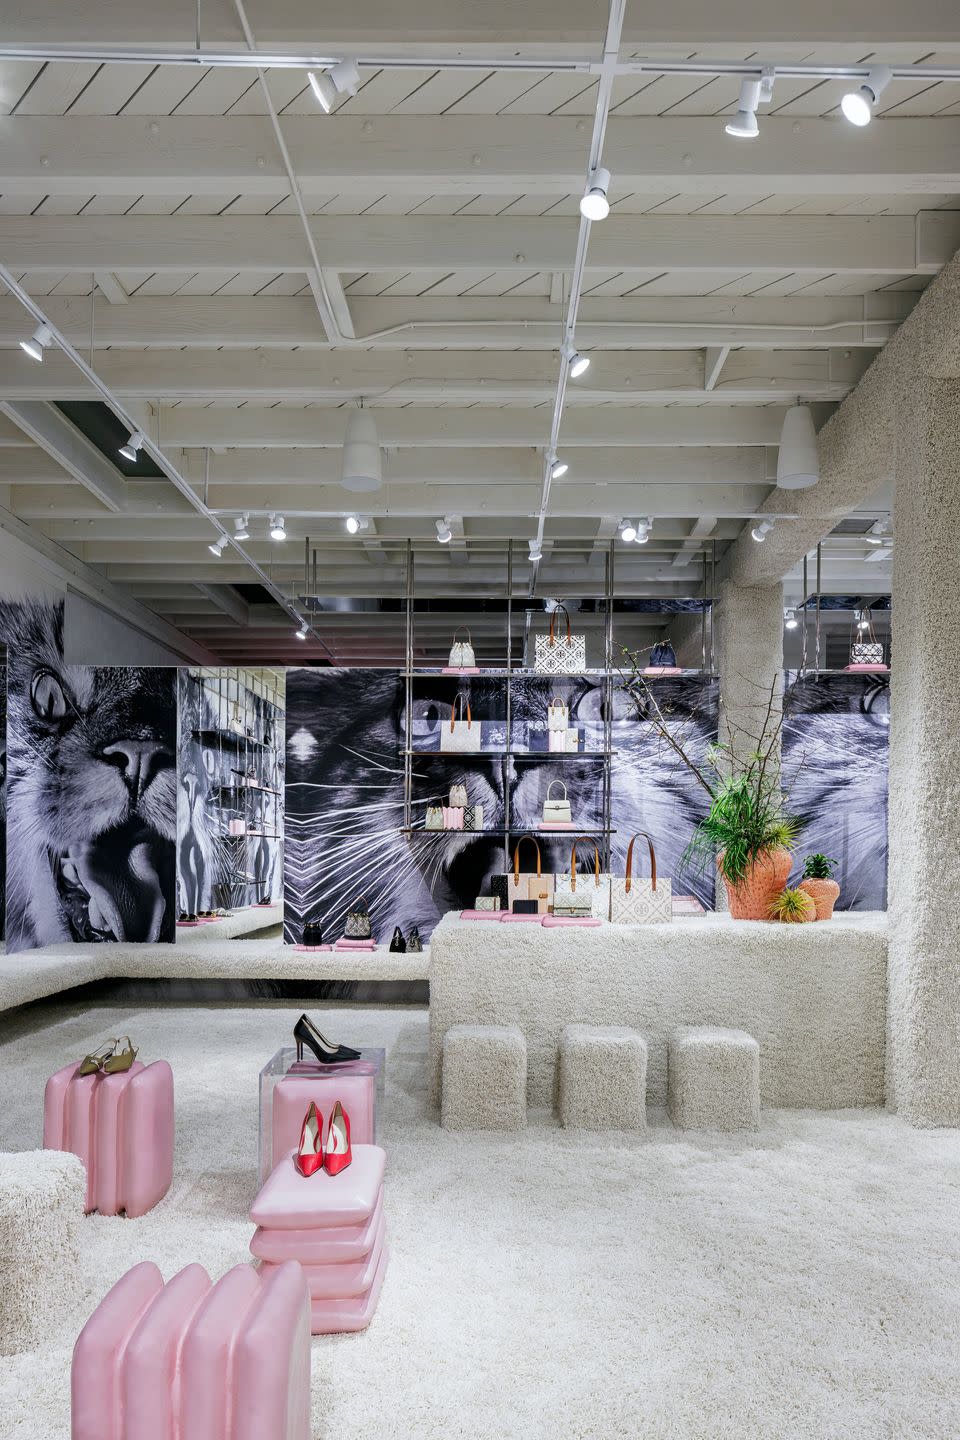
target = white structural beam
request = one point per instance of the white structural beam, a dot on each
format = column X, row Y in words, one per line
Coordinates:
column 424, row 427
column 844, row 244
column 714, row 359
column 225, row 599
column 67, row 450
column 463, row 323
column 470, row 155
column 501, row 378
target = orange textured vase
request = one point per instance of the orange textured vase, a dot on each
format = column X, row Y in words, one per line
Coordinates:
column 766, row 877
column 823, row 893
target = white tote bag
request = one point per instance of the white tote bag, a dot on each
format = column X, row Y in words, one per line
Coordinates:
column 556, row 812
column 558, row 714
column 462, row 655
column 555, row 654
column 588, row 894
column 637, row 901
column 460, row 737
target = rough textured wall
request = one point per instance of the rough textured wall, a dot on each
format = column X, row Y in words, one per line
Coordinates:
column 749, row 660
column 924, row 981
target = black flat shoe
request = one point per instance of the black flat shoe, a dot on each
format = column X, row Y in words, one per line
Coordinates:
column 306, row 1033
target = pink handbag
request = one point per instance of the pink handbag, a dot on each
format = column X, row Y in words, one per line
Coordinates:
column 453, row 817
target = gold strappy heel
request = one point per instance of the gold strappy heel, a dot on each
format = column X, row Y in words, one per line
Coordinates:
column 95, row 1061
column 117, row 1064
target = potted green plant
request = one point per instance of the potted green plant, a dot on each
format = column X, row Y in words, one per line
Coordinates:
column 747, row 829
column 819, row 884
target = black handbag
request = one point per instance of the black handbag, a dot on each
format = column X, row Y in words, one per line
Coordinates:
column 526, row 907
column 663, row 656
column 313, row 932
column 498, row 888
column 398, row 945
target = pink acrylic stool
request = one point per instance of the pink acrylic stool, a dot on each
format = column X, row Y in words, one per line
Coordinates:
column 194, row 1361
column 121, row 1127
column 335, row 1226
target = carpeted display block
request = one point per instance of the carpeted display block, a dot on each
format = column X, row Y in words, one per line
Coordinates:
column 814, row 996
column 603, row 1078
column 484, row 1078
column 121, row 1127
column 41, row 1212
column 714, row 1079
column 335, row 1226
column 195, row 1361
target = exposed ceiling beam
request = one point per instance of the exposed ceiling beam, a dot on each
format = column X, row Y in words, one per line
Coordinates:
column 225, row 599
column 425, row 427
column 714, row 359
column 471, row 155
column 489, row 377
column 111, row 287
column 634, row 322
column 68, row 450
column 839, row 244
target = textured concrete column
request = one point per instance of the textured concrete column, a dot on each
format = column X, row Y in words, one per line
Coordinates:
column 749, row 654
column 923, row 1005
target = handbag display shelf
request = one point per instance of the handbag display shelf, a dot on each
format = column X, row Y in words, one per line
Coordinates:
column 867, row 654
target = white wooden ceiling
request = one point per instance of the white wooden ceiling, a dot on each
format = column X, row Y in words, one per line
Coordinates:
column 147, row 208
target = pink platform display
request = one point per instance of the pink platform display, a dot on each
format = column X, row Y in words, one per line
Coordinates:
column 336, row 1227
column 195, row 1361
column 121, row 1127
column 354, row 1084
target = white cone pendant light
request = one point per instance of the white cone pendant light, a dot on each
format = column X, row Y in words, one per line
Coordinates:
column 797, row 464
column 361, row 470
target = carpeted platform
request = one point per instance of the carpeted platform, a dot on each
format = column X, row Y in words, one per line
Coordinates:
column 802, row 1284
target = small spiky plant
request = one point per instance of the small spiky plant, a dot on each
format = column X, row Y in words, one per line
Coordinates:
column 793, row 906
column 818, row 867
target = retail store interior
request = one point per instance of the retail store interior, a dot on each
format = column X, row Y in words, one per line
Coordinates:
column 479, row 695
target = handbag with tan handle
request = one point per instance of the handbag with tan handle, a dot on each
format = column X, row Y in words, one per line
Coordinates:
column 577, row 895
column 637, row 901
column 538, row 887
column 555, row 654
column 460, row 736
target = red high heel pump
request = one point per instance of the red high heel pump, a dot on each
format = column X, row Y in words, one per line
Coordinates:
column 309, row 1156
column 338, row 1153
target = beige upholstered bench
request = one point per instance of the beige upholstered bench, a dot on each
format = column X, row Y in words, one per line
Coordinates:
column 713, row 1079
column 484, row 1078
column 603, row 1078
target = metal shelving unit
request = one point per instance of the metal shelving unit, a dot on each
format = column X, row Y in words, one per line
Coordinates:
column 510, row 674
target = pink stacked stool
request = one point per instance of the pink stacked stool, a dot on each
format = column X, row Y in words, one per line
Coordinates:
column 121, row 1127
column 190, row 1360
column 353, row 1083
column 334, row 1225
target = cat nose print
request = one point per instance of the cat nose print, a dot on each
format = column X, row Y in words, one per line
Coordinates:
column 139, row 761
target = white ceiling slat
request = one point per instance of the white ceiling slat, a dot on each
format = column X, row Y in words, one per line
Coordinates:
column 166, row 88
column 16, row 77
column 110, row 89
column 493, row 93
column 56, row 88
column 440, row 92
column 548, row 94
column 283, row 85
column 218, row 90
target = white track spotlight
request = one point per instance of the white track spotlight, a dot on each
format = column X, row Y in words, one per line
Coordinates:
column 558, row 467
column 217, row 547
column 536, row 551
column 278, row 531
column 301, row 634
column 644, row 526
column 798, row 466
column 242, row 527
column 131, row 450
column 577, row 364
column 877, row 530
column 761, row 531
column 360, row 464
column 343, row 79
column 857, row 105
column 444, row 532
column 790, row 618
column 744, row 124
column 594, row 204
column 38, row 342
column 628, row 531
column 862, row 622
column 352, row 524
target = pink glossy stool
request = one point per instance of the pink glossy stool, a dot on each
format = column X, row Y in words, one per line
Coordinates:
column 336, row 1228
column 194, row 1361
column 353, row 1083
column 121, row 1127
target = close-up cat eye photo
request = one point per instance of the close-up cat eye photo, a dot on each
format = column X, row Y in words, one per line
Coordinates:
column 48, row 696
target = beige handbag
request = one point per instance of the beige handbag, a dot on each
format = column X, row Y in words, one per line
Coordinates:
column 537, row 887
column 458, row 795
column 558, row 714
column 580, row 895
column 462, row 656
column 434, row 818
column 638, row 901
column 460, row 737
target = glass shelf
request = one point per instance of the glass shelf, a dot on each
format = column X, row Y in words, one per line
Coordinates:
column 422, row 830
column 501, row 673
column 511, row 754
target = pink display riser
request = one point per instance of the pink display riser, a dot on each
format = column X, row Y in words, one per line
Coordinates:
column 344, row 1279
column 345, row 1317
column 121, row 1127
column 291, row 1101
column 327, row 1245
column 194, row 1361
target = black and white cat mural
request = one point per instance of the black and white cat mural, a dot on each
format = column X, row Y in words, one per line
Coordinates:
column 91, row 792
column 346, row 731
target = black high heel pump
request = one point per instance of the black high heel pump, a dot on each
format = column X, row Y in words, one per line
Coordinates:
column 306, row 1033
